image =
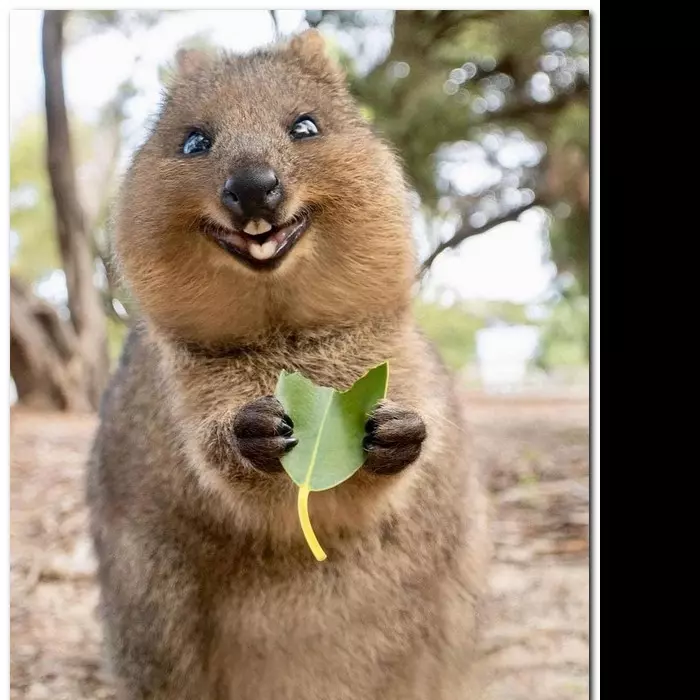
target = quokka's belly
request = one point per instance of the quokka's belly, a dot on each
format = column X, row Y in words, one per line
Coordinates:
column 384, row 637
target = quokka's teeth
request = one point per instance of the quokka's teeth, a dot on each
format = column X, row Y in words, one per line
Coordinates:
column 263, row 252
column 256, row 227
column 269, row 248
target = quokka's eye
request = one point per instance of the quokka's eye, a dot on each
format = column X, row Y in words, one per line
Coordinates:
column 196, row 142
column 303, row 128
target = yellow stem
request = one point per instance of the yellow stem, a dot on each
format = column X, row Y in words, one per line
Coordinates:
column 303, row 507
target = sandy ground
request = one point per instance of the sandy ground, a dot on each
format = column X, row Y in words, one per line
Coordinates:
column 536, row 644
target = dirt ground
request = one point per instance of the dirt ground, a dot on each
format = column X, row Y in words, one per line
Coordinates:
column 536, row 643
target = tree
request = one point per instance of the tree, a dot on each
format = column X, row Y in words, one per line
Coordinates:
column 55, row 362
column 509, row 89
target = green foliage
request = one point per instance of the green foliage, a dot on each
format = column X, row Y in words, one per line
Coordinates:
column 31, row 200
column 432, row 44
column 564, row 336
column 569, row 235
column 565, row 333
column 31, row 203
column 453, row 328
column 432, row 91
column 573, row 128
column 570, row 246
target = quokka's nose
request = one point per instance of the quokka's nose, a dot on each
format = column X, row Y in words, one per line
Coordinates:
column 252, row 193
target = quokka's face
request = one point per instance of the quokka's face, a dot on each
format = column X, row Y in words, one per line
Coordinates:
column 257, row 152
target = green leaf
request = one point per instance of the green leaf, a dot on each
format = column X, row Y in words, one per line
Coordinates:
column 330, row 426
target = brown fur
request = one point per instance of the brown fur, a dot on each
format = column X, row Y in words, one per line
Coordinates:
column 208, row 588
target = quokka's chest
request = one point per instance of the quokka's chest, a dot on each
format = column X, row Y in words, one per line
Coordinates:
column 325, row 368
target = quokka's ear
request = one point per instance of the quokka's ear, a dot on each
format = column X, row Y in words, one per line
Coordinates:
column 309, row 44
column 189, row 61
column 310, row 48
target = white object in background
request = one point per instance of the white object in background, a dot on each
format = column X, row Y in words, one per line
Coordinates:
column 503, row 353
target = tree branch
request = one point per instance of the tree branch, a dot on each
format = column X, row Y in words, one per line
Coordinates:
column 467, row 231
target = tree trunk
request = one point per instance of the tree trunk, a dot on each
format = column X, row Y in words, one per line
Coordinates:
column 75, row 243
column 60, row 363
column 44, row 360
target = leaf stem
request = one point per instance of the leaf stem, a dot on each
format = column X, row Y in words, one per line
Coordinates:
column 309, row 534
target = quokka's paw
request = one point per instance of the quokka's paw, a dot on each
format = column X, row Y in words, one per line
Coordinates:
column 394, row 438
column 264, row 433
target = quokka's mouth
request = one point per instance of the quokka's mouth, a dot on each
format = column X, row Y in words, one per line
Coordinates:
column 261, row 251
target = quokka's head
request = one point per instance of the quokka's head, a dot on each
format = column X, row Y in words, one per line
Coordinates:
column 261, row 187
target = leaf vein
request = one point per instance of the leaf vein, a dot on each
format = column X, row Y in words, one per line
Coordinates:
column 314, row 454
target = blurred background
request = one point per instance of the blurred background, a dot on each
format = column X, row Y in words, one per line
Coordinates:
column 489, row 111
